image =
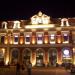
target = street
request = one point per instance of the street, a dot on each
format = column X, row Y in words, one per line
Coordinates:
column 37, row 71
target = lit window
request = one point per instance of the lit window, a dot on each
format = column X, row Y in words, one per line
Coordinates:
column 16, row 24
column 52, row 36
column 16, row 39
column 40, row 39
column 27, row 39
column 52, row 39
column 65, row 38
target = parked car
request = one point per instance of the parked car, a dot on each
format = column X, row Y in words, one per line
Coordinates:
column 73, row 69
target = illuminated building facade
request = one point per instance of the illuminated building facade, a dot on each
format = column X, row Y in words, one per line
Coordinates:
column 41, row 39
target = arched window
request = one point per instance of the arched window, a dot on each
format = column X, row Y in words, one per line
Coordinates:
column 64, row 22
column 26, row 55
column 15, row 55
column 4, row 25
column 16, row 24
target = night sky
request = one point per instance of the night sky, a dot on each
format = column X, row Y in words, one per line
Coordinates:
column 27, row 8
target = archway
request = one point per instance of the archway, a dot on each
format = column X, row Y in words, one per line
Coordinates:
column 52, row 56
column 26, row 55
column 15, row 56
column 39, row 57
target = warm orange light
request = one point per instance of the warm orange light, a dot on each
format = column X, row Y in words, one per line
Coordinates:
column 6, row 40
column 33, row 39
column 46, row 39
column 74, row 50
column 74, row 60
column 11, row 40
column 21, row 40
column 59, row 62
column 33, row 63
column 58, row 39
column 7, row 61
column 3, row 49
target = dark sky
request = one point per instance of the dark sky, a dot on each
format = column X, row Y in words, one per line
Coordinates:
column 27, row 8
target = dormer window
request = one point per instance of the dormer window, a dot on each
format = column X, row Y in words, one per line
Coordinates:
column 16, row 24
column 64, row 22
column 4, row 25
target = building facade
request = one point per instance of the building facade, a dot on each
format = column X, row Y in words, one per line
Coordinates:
column 41, row 39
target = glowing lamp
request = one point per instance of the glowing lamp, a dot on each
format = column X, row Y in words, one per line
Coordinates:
column 11, row 42
column 66, row 52
column 46, row 39
column 3, row 49
column 7, row 61
column 33, row 39
column 21, row 40
column 6, row 40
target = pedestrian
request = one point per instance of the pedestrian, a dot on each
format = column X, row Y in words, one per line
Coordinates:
column 29, row 68
column 18, row 68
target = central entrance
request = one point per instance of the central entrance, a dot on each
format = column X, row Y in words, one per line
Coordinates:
column 26, row 55
column 52, row 56
column 39, row 57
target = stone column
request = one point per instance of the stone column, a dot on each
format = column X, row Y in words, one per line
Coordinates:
column 59, row 56
column 74, row 56
column 7, row 56
column 46, row 58
column 33, row 58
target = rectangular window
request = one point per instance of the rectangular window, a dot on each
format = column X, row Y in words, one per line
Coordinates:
column 65, row 38
column 27, row 39
column 39, row 38
column 16, row 39
column 52, row 38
